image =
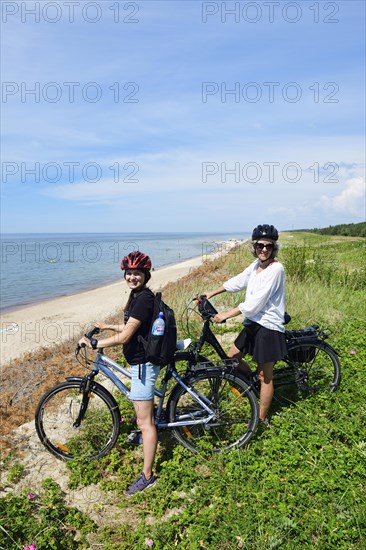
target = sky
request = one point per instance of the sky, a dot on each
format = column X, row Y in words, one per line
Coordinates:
column 181, row 115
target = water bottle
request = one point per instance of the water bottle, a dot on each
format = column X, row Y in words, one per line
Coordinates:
column 158, row 326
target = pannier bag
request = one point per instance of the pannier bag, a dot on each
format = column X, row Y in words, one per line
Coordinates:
column 305, row 354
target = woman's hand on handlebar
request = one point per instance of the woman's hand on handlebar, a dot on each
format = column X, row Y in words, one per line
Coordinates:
column 84, row 343
column 202, row 297
column 219, row 318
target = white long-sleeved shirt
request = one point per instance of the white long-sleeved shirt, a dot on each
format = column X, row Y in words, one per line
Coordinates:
column 265, row 299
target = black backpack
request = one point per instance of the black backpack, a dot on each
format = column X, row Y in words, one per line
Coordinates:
column 160, row 350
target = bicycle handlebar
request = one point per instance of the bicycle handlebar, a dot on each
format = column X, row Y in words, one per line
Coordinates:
column 205, row 307
column 89, row 335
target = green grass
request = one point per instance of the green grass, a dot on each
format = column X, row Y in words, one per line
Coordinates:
column 42, row 518
column 299, row 484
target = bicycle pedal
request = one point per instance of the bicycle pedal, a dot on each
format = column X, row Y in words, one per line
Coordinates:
column 162, row 417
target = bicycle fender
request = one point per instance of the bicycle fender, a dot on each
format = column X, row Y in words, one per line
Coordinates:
column 309, row 341
column 74, row 378
column 331, row 348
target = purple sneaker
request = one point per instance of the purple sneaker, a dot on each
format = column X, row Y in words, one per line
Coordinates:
column 140, row 484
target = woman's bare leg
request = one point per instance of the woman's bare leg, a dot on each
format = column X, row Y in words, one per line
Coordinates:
column 265, row 375
column 235, row 353
column 145, row 422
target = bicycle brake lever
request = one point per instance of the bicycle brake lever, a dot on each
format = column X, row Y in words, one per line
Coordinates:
column 79, row 348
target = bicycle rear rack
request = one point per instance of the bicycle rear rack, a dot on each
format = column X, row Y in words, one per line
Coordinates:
column 223, row 364
column 312, row 332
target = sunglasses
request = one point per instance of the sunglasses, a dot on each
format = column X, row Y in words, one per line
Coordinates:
column 260, row 246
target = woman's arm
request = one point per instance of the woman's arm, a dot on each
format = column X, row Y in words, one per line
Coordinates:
column 221, row 317
column 105, row 326
column 235, row 284
column 214, row 292
column 122, row 337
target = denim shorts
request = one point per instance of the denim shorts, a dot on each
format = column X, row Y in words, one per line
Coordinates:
column 143, row 381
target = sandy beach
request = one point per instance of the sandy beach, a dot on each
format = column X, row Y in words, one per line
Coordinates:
column 66, row 318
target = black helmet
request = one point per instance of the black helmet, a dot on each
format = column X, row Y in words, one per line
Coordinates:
column 265, row 232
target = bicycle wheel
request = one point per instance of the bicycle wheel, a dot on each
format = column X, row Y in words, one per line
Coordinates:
column 57, row 412
column 229, row 396
column 314, row 366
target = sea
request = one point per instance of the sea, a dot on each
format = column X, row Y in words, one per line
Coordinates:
column 39, row 267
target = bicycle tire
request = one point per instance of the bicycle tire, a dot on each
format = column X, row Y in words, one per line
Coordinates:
column 234, row 402
column 315, row 368
column 57, row 411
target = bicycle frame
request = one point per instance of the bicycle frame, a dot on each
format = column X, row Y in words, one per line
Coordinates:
column 104, row 364
column 206, row 336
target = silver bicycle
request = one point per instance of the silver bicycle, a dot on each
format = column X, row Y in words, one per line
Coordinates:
column 209, row 408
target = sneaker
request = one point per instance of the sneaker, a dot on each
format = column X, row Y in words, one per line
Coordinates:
column 134, row 438
column 265, row 423
column 140, row 484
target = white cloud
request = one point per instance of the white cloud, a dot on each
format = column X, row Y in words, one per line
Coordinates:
column 351, row 200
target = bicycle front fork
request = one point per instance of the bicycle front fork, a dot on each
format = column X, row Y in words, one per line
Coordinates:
column 84, row 389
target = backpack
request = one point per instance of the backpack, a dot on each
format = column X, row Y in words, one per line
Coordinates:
column 160, row 350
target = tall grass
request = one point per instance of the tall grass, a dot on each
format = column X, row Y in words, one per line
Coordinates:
column 325, row 263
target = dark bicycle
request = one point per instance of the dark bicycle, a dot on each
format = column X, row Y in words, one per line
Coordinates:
column 311, row 364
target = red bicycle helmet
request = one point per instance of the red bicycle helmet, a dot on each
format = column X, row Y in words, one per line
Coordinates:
column 136, row 260
column 265, row 232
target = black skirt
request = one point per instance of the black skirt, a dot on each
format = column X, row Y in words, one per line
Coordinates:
column 263, row 344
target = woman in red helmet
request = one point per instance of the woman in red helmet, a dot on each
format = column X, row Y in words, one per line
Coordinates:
column 138, row 314
column 263, row 336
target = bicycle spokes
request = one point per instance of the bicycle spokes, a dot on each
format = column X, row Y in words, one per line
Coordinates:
column 312, row 367
column 74, row 424
column 234, row 412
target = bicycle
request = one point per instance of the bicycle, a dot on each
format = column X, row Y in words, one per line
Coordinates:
column 311, row 364
column 210, row 408
column 213, row 406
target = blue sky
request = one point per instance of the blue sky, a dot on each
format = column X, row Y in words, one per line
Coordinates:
column 182, row 116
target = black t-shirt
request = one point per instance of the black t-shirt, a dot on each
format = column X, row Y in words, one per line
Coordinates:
column 141, row 308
